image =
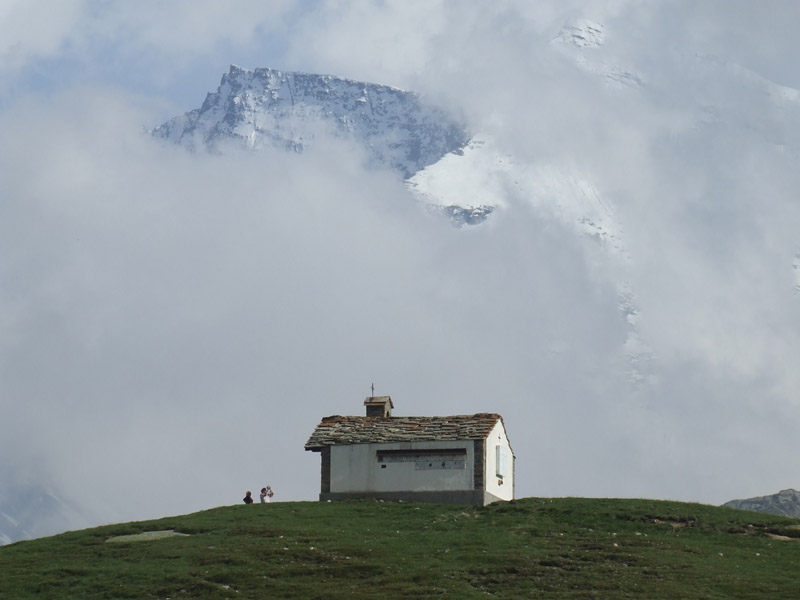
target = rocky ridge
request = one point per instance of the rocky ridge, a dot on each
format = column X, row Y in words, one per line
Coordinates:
column 785, row 503
column 289, row 110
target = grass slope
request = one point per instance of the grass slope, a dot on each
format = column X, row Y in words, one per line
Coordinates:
column 529, row 548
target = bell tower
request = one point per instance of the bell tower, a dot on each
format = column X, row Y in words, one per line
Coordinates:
column 379, row 406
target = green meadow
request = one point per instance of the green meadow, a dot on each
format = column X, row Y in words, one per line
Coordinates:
column 528, row 548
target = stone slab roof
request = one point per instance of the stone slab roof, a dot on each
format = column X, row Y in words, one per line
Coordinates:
column 338, row 430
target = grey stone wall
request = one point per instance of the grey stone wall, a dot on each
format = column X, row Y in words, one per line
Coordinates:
column 480, row 464
column 325, row 475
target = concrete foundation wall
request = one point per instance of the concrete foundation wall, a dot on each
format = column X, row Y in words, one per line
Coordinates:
column 478, row 497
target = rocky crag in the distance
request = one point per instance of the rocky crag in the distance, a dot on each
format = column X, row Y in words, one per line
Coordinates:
column 785, row 503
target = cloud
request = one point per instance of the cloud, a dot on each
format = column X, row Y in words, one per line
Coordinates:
column 172, row 50
column 173, row 325
column 31, row 29
column 178, row 323
column 150, row 30
column 416, row 43
column 737, row 31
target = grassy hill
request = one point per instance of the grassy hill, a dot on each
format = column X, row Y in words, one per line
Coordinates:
column 529, row 548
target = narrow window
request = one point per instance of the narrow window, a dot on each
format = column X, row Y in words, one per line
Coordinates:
column 501, row 461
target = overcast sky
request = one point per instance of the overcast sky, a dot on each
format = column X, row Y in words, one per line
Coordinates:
column 173, row 325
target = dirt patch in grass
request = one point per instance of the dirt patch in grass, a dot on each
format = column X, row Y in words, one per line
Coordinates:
column 782, row 538
column 146, row 536
column 672, row 522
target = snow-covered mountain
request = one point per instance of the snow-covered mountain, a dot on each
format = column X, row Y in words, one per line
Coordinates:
column 289, row 110
column 467, row 175
column 484, row 176
column 455, row 172
column 460, row 173
column 481, row 177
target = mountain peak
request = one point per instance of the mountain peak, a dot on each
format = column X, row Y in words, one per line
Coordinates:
column 289, row 109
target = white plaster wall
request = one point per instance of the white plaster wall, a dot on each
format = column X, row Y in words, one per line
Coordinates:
column 355, row 468
column 504, row 490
